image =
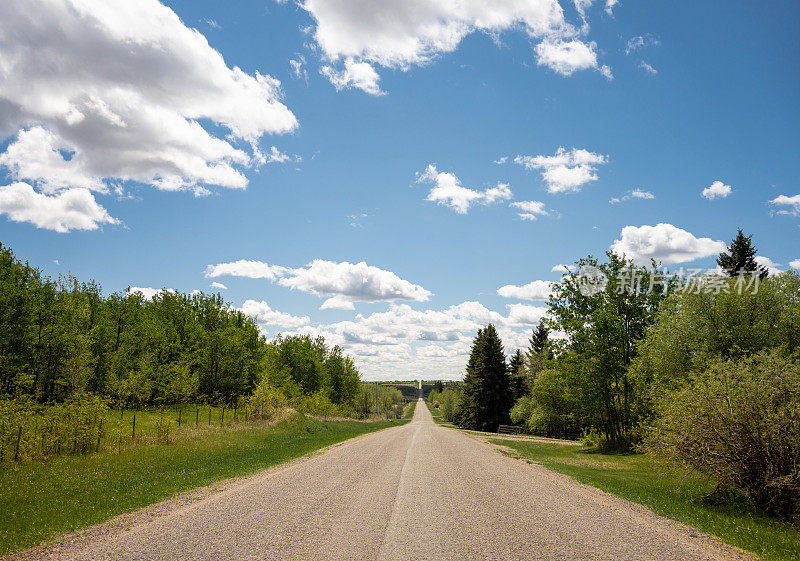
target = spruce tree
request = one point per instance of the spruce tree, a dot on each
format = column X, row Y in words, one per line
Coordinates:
column 538, row 341
column 487, row 395
column 516, row 373
column 740, row 257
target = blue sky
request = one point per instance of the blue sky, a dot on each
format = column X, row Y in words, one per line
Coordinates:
column 136, row 162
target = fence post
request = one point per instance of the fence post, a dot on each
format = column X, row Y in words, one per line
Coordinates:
column 209, row 415
column 180, row 411
column 197, row 420
column 133, row 434
column 222, row 417
column 99, row 435
column 16, row 450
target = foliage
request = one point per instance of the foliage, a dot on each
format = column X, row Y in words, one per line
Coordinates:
column 487, row 397
column 740, row 257
column 603, row 327
column 739, row 421
column 448, row 401
column 550, row 408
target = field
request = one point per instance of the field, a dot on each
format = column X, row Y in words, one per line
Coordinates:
column 679, row 496
column 40, row 500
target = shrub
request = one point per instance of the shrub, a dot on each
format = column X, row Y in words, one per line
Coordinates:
column 739, row 422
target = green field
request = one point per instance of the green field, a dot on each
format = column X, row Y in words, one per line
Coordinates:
column 679, row 496
column 40, row 500
column 409, row 411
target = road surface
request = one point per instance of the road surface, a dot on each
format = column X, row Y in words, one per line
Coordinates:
column 418, row 491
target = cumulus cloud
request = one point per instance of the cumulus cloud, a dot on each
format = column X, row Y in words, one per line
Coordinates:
column 565, row 171
column 341, row 283
column 523, row 314
column 354, row 282
column 359, row 75
column 633, row 194
column 261, row 312
column 717, row 190
column 97, row 92
column 244, row 268
column 795, row 264
column 536, row 290
column 610, row 6
column 218, row 285
column 791, row 204
column 70, row 209
column 664, row 243
column 561, row 268
column 396, row 35
column 529, row 210
column 448, row 191
column 567, row 57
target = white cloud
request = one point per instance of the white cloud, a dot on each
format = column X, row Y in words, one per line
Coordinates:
column 353, row 282
column 769, row 264
column 795, row 264
column 565, row 171
column 567, row 57
column 244, row 268
column 148, row 292
column 536, row 290
column 337, row 303
column 261, row 312
column 523, row 314
column 218, row 285
column 717, row 190
column 397, row 35
column 501, row 160
column 637, row 43
column 647, row 68
column 792, row 204
column 665, row 243
column 561, row 268
column 298, row 68
column 108, row 91
column 448, row 191
column 529, row 209
column 70, row 209
column 633, row 194
column 359, row 75
column 610, row 6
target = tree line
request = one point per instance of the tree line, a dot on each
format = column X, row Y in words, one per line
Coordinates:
column 62, row 338
column 706, row 372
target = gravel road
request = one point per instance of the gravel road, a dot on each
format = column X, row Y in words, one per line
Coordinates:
column 418, row 491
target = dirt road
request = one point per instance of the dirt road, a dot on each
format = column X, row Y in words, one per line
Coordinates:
column 419, row 491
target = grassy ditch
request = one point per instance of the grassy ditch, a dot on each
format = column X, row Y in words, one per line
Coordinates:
column 40, row 500
column 679, row 496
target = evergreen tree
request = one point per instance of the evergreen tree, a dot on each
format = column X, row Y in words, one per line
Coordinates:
column 516, row 373
column 740, row 257
column 487, row 395
column 538, row 341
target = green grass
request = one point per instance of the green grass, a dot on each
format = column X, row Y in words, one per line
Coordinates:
column 641, row 479
column 40, row 500
column 409, row 410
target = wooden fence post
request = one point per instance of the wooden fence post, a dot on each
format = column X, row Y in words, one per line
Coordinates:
column 209, row 415
column 222, row 417
column 180, row 411
column 99, row 435
column 197, row 420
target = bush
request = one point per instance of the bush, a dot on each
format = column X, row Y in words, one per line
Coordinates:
column 739, row 422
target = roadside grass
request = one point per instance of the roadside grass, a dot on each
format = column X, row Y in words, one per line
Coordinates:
column 670, row 493
column 437, row 416
column 41, row 500
column 409, row 411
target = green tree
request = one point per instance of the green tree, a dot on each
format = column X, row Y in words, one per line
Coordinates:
column 487, row 396
column 518, row 376
column 740, row 257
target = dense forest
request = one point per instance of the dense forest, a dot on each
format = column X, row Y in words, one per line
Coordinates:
column 62, row 338
column 702, row 370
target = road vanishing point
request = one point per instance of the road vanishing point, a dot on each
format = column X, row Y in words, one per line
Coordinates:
column 418, row 491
